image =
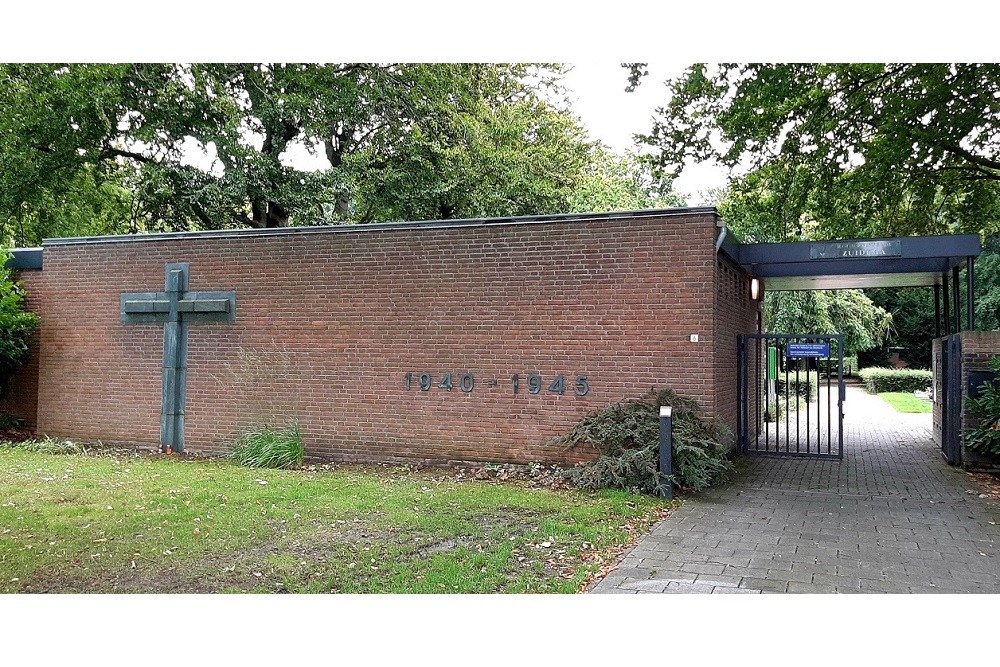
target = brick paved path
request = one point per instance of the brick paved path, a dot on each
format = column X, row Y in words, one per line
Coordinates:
column 891, row 517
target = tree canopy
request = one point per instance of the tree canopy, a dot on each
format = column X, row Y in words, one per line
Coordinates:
column 114, row 148
column 613, row 182
column 847, row 312
column 863, row 149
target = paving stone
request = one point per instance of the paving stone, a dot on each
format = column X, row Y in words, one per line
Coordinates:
column 790, row 575
column 703, row 568
column 764, row 585
column 675, row 587
column 634, row 572
column 755, row 572
column 718, row 580
column 649, row 585
column 800, row 587
column 838, row 581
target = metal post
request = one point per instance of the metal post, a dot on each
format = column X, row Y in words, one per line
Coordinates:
column 937, row 310
column 947, row 304
column 666, row 487
column 955, row 298
column 970, row 292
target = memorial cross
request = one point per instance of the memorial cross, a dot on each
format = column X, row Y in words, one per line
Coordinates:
column 176, row 308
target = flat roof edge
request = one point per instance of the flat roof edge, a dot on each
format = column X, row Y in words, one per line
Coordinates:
column 25, row 259
column 383, row 226
column 965, row 245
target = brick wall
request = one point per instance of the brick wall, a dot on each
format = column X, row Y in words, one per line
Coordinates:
column 735, row 314
column 977, row 348
column 21, row 398
column 328, row 323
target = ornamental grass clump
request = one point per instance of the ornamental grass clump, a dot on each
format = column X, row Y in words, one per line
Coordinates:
column 45, row 446
column 627, row 435
column 269, row 447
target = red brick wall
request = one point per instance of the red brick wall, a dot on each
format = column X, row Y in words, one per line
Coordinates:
column 328, row 323
column 735, row 314
column 21, row 399
column 977, row 348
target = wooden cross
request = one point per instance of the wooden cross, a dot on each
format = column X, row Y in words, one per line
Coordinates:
column 176, row 308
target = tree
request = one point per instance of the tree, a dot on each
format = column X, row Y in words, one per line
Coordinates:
column 866, row 149
column 398, row 140
column 620, row 183
column 520, row 158
column 987, row 286
column 847, row 312
column 912, row 324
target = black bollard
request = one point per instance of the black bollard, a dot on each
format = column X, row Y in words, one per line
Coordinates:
column 666, row 453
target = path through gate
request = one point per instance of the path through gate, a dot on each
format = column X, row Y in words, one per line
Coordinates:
column 791, row 395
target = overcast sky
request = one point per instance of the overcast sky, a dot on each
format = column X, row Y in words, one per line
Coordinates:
column 597, row 92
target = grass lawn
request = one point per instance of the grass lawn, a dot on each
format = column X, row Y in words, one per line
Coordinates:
column 906, row 402
column 132, row 522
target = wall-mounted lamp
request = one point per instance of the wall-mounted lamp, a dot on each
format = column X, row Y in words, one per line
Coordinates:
column 756, row 289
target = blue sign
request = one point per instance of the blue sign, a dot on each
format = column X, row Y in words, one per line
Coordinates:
column 800, row 350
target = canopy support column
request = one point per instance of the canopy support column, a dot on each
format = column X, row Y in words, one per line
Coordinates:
column 955, row 299
column 937, row 310
column 947, row 304
column 970, row 292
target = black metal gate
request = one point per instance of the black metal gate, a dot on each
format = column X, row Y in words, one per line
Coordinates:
column 951, row 399
column 791, row 395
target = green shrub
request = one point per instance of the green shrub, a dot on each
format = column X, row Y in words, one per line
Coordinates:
column 776, row 409
column 878, row 380
column 9, row 421
column 984, row 436
column 803, row 386
column 627, row 436
column 829, row 366
column 269, row 447
column 16, row 323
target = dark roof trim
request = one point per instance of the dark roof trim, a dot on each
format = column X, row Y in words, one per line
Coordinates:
column 912, row 247
column 913, row 261
column 25, row 258
column 385, row 226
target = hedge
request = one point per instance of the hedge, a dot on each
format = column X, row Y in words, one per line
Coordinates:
column 877, row 380
column 803, row 386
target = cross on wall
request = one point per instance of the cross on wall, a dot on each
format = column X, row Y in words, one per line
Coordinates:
column 176, row 308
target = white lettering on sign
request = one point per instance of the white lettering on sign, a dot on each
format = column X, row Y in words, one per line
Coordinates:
column 854, row 249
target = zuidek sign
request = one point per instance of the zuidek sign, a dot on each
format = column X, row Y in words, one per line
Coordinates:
column 855, row 249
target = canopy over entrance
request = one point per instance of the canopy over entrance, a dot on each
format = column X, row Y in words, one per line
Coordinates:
column 909, row 261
